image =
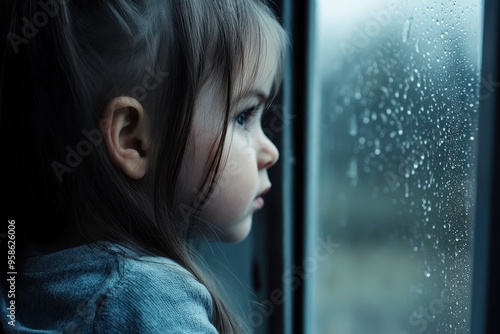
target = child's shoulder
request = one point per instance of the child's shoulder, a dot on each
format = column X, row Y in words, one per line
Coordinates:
column 151, row 276
column 154, row 290
column 105, row 287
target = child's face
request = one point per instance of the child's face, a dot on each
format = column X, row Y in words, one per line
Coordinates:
column 248, row 154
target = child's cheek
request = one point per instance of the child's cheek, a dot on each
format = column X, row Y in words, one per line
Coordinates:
column 228, row 202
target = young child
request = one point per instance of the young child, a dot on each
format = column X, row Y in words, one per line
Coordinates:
column 132, row 126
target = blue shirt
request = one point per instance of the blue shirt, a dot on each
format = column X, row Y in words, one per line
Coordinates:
column 87, row 289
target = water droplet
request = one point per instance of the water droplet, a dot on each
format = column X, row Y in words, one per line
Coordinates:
column 353, row 126
column 352, row 172
column 407, row 29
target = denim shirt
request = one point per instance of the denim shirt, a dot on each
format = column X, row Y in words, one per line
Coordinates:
column 90, row 289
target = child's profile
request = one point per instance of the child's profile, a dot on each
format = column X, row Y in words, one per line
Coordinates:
column 141, row 129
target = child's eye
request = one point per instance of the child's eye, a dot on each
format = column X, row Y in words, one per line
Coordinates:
column 243, row 117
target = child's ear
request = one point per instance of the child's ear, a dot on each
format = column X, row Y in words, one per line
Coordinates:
column 124, row 129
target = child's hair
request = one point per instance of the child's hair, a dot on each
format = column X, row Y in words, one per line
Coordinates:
column 65, row 60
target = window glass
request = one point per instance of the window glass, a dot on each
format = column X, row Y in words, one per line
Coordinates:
column 395, row 116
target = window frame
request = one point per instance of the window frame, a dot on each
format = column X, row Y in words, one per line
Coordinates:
column 295, row 15
column 485, row 293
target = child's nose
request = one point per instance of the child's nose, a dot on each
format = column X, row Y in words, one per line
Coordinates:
column 268, row 153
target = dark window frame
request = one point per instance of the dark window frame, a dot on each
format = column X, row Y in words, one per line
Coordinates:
column 485, row 293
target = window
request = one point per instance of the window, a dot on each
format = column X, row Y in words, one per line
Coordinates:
column 391, row 187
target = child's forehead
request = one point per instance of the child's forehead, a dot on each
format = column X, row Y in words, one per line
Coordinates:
column 257, row 74
column 254, row 79
column 253, row 76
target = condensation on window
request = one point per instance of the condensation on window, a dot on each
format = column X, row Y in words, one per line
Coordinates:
column 399, row 90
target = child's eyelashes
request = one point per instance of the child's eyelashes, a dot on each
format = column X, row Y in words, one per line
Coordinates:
column 246, row 116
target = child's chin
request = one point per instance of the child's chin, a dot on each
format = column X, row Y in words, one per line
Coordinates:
column 238, row 232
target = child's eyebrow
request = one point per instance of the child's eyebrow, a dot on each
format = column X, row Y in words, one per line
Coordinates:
column 256, row 92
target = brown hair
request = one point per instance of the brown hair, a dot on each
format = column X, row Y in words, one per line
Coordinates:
column 79, row 60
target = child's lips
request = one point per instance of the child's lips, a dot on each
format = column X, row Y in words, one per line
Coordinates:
column 259, row 201
column 265, row 191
